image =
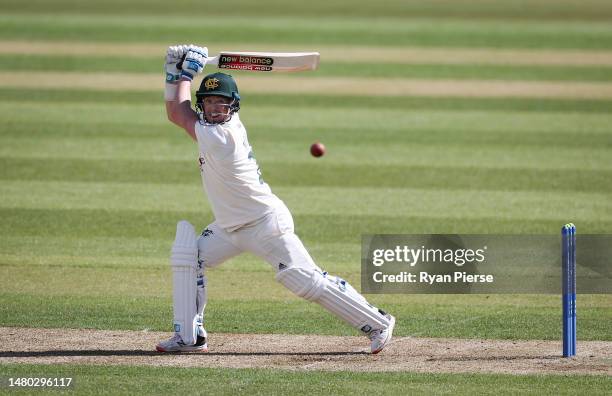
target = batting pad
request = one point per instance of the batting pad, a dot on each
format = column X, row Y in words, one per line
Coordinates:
column 184, row 261
column 335, row 295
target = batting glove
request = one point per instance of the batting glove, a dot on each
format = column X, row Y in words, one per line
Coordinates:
column 194, row 62
column 174, row 56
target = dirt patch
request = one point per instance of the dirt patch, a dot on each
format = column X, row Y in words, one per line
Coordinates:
column 304, row 352
column 322, row 86
column 356, row 54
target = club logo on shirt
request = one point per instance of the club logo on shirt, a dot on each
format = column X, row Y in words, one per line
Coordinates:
column 202, row 162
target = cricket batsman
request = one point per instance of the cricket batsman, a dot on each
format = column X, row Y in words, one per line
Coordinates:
column 248, row 217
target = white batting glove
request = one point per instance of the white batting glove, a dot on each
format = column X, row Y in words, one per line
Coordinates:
column 174, row 56
column 194, row 62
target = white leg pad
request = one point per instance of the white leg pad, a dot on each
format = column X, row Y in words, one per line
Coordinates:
column 184, row 261
column 334, row 294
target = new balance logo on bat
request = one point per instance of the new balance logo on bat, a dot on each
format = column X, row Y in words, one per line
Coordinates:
column 247, row 60
column 242, row 62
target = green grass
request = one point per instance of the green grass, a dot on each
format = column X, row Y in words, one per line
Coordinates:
column 67, row 63
column 489, row 9
column 93, row 182
column 518, row 318
column 311, row 31
column 280, row 174
column 164, row 380
column 52, row 197
column 69, row 97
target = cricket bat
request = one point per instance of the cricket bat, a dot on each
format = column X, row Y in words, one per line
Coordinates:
column 266, row 61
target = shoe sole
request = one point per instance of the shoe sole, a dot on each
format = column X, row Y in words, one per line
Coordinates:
column 388, row 340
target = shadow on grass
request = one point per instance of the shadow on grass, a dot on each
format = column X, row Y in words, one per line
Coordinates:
column 59, row 353
column 491, row 358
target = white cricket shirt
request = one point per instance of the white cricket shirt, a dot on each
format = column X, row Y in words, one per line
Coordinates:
column 230, row 174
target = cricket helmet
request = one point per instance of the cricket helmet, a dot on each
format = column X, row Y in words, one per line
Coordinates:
column 219, row 84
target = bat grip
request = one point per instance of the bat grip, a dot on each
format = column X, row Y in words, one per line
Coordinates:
column 207, row 61
column 180, row 64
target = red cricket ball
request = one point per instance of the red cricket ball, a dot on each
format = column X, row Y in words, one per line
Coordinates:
column 317, row 149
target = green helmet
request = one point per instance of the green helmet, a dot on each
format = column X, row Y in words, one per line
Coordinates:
column 219, row 84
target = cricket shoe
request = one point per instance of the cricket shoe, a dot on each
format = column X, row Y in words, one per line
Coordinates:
column 381, row 338
column 176, row 344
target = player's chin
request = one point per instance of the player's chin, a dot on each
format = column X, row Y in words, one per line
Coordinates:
column 217, row 119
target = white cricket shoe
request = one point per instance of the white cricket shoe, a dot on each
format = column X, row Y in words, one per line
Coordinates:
column 175, row 344
column 381, row 338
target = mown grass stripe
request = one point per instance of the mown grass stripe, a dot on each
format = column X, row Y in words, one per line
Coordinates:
column 326, row 31
column 89, row 246
column 100, row 51
column 150, row 276
column 81, row 96
column 467, row 203
column 89, row 279
column 323, row 85
column 300, row 175
column 89, row 380
column 463, row 9
column 572, row 136
column 55, row 63
column 313, row 227
column 151, row 254
column 300, row 317
column 176, row 147
column 246, row 277
column 327, row 86
column 357, row 122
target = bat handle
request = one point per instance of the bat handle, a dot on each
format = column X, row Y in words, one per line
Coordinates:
column 180, row 64
column 214, row 60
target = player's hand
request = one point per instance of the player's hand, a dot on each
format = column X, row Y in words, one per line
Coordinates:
column 194, row 62
column 174, row 55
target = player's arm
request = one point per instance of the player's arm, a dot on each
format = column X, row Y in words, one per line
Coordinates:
column 179, row 110
column 183, row 63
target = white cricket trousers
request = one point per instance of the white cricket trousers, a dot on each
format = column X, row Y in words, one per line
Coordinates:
column 271, row 238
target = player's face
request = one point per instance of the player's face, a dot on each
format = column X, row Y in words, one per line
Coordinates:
column 216, row 109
